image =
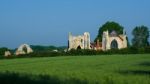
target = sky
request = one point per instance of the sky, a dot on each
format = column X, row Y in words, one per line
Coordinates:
column 48, row 22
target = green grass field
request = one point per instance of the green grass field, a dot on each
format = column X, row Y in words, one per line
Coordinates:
column 109, row 69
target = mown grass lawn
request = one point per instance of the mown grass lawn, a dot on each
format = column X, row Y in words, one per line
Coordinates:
column 99, row 69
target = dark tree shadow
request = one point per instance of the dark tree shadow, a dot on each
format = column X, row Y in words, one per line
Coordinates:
column 138, row 72
column 135, row 72
column 16, row 78
column 145, row 64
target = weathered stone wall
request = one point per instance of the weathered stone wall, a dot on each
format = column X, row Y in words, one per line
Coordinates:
column 21, row 51
column 107, row 40
column 81, row 41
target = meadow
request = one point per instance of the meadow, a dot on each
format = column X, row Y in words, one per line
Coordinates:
column 96, row 69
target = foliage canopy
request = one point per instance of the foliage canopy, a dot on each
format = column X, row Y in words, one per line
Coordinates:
column 110, row 26
column 141, row 35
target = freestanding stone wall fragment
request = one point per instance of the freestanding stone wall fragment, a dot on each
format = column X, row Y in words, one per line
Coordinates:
column 21, row 50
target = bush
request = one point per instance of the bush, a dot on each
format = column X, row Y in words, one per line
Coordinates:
column 147, row 49
column 2, row 51
column 73, row 52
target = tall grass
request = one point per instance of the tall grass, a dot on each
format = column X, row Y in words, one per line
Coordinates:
column 109, row 69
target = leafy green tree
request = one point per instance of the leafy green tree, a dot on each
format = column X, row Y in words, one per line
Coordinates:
column 110, row 26
column 141, row 35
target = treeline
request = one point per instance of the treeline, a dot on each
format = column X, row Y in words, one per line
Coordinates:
column 80, row 52
column 39, row 48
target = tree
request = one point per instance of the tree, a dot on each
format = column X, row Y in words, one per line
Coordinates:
column 141, row 35
column 110, row 26
column 2, row 50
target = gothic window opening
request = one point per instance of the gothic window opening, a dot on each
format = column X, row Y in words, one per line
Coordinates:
column 114, row 44
column 79, row 47
column 25, row 49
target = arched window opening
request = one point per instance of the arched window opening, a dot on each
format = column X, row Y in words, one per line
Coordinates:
column 114, row 44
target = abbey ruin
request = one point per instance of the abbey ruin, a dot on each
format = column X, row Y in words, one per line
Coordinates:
column 79, row 42
column 109, row 41
column 24, row 49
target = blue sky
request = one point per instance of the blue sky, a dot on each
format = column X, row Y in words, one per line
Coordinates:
column 47, row 22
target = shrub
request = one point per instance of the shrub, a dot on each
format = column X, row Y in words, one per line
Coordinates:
column 73, row 52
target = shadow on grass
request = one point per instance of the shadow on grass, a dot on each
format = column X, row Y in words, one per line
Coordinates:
column 138, row 72
column 16, row 78
column 144, row 64
column 135, row 72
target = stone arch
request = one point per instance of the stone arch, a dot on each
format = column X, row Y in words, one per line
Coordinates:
column 24, row 49
column 79, row 47
column 114, row 44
